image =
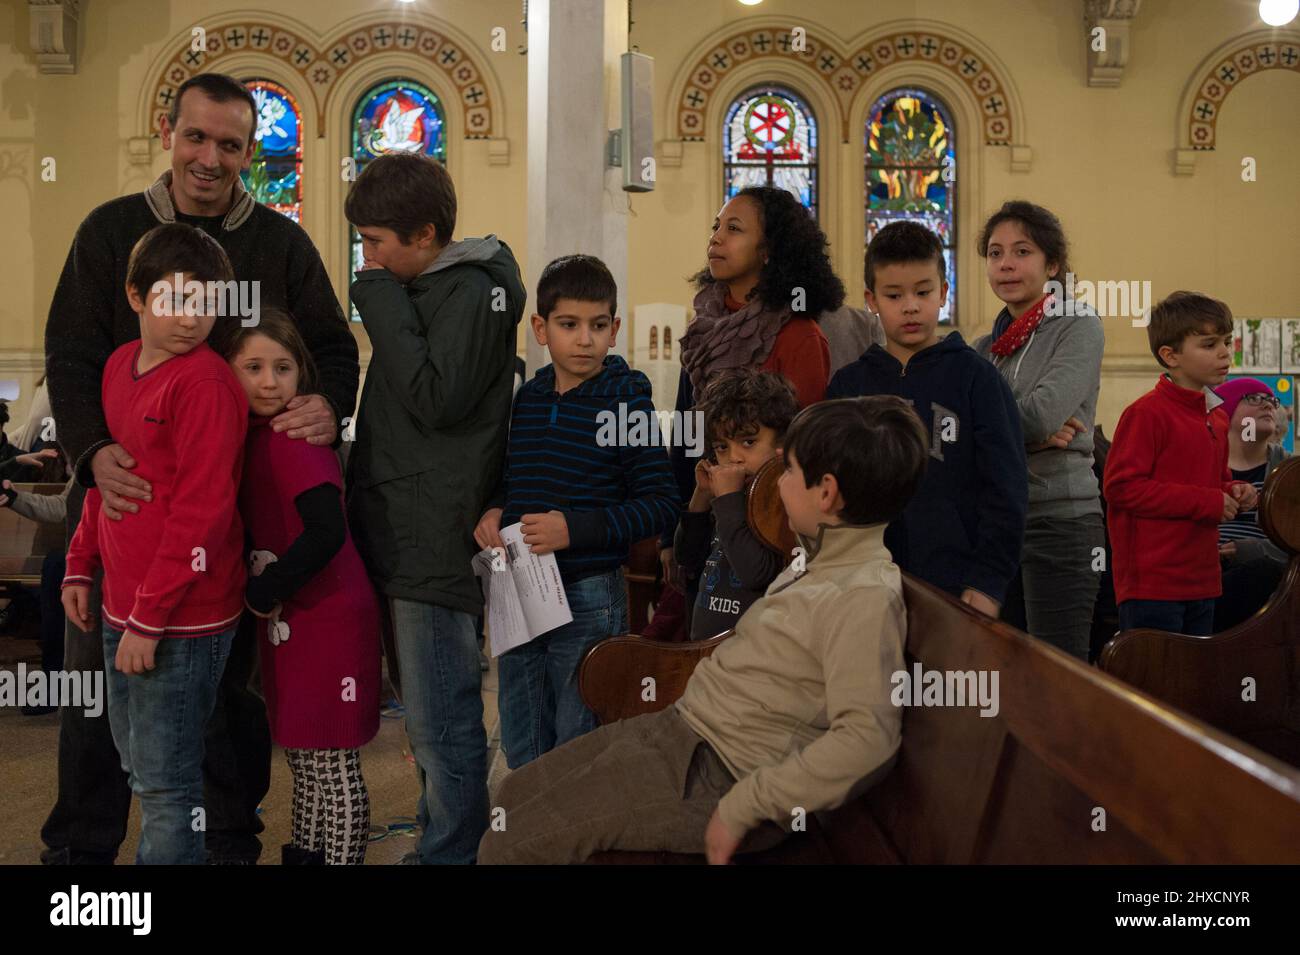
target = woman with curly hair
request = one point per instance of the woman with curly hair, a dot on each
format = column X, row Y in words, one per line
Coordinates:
column 758, row 301
column 767, row 282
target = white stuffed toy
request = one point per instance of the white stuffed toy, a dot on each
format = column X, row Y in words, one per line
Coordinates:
column 277, row 631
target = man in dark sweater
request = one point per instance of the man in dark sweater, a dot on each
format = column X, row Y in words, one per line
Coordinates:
column 963, row 528
column 211, row 134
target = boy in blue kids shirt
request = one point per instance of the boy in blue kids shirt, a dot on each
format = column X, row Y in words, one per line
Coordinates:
column 962, row 530
column 582, row 490
column 746, row 414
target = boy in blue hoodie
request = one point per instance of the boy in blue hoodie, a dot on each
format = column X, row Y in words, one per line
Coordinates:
column 962, row 530
column 587, row 477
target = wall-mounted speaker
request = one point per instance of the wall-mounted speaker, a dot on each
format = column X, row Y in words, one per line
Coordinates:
column 638, row 134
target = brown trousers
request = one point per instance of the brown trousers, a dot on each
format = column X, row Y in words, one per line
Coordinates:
column 643, row 784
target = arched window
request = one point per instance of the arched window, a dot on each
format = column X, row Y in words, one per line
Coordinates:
column 395, row 116
column 769, row 138
column 275, row 175
column 910, row 163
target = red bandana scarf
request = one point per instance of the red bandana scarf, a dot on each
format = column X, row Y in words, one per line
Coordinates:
column 1018, row 332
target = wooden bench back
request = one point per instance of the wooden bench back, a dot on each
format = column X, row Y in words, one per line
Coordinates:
column 1071, row 750
column 24, row 543
column 1246, row 680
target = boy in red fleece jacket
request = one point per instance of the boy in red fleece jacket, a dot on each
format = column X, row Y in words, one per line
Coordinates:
column 173, row 568
column 1167, row 482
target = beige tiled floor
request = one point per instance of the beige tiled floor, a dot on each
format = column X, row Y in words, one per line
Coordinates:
column 28, row 747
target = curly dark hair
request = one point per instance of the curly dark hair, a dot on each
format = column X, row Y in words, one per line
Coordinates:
column 796, row 255
column 742, row 401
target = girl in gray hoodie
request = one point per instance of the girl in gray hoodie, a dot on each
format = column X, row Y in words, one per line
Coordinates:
column 1049, row 352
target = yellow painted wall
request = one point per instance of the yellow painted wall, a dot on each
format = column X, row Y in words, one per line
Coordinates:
column 1102, row 159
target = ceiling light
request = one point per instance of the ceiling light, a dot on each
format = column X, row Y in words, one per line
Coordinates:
column 1278, row 13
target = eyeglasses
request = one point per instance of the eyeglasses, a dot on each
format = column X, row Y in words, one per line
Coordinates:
column 1262, row 398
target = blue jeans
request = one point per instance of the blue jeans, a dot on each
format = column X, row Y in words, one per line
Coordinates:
column 538, row 695
column 158, row 720
column 1192, row 617
column 442, row 686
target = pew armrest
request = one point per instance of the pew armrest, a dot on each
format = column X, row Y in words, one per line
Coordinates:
column 612, row 676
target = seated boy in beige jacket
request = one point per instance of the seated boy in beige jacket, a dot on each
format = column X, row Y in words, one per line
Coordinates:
column 791, row 715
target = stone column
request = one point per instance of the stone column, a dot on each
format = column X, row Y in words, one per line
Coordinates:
column 575, row 201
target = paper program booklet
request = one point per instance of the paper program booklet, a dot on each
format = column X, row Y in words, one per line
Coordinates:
column 524, row 594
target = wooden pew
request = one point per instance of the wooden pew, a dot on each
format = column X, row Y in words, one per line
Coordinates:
column 1206, row 676
column 24, row 543
column 1075, row 767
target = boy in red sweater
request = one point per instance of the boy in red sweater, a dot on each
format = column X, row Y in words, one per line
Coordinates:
column 1167, row 481
column 173, row 570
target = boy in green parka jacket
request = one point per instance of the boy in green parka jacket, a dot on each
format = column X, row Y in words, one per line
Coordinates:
column 430, row 441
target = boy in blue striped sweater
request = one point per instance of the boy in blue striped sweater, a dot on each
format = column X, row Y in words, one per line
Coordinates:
column 587, row 477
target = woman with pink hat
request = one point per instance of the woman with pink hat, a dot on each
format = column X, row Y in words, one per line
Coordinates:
column 1252, row 564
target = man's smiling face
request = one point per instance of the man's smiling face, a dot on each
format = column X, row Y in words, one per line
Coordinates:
column 211, row 144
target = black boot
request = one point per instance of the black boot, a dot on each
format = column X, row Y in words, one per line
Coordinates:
column 296, row 855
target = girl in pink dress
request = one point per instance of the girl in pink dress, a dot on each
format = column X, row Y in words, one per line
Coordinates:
column 319, row 638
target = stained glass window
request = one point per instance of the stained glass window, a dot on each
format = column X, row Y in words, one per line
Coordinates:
column 275, row 175
column 769, row 138
column 395, row 116
column 910, row 171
